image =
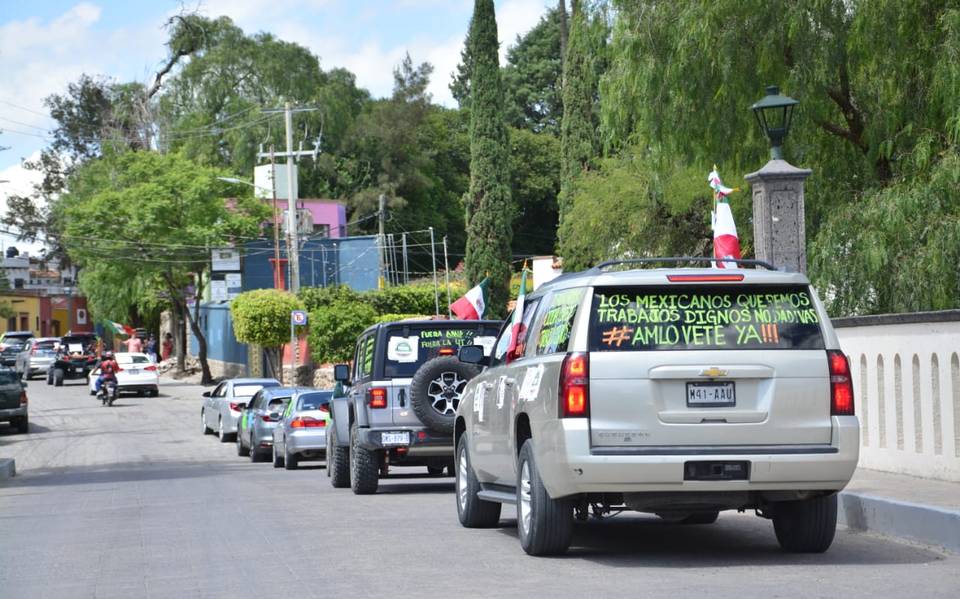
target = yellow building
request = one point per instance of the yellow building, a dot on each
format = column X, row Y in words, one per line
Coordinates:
column 27, row 312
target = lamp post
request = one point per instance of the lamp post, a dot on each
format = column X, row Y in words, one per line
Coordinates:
column 779, row 232
column 774, row 114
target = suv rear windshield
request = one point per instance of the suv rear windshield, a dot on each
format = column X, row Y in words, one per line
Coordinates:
column 408, row 347
column 722, row 317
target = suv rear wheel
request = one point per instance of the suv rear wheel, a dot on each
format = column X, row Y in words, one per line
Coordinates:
column 806, row 526
column 472, row 511
column 364, row 466
column 338, row 461
column 545, row 524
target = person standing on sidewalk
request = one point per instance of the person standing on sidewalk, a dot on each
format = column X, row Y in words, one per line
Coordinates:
column 167, row 347
column 151, row 348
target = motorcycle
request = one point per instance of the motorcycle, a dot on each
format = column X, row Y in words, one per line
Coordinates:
column 108, row 392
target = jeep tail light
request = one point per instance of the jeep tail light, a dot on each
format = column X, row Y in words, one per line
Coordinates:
column 841, row 385
column 307, row 422
column 575, row 386
column 377, row 398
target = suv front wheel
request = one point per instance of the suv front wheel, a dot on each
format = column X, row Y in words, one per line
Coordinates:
column 364, row 466
column 545, row 524
column 806, row 526
column 472, row 511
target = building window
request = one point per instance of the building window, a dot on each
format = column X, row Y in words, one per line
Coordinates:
column 321, row 230
column 18, row 283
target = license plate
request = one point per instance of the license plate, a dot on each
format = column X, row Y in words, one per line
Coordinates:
column 395, row 438
column 134, row 371
column 709, row 395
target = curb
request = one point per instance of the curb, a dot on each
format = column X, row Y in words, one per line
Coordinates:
column 8, row 468
column 924, row 524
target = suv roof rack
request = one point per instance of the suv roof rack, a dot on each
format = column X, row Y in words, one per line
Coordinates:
column 680, row 260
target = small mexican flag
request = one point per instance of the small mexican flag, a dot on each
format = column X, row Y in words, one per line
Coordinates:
column 121, row 329
column 516, row 323
column 726, row 244
column 473, row 304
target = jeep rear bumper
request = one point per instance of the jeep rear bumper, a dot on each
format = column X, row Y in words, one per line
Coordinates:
column 423, row 442
column 569, row 465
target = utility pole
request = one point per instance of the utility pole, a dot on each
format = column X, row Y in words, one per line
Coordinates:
column 433, row 258
column 293, row 242
column 381, row 240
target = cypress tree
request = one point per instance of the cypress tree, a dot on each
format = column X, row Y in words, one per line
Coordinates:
column 489, row 210
column 578, row 131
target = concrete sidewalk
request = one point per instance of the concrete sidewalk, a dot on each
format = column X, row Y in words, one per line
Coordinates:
column 917, row 509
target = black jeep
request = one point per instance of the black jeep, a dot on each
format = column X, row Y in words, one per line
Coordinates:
column 76, row 357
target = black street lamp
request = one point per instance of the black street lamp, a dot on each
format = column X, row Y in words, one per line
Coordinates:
column 774, row 113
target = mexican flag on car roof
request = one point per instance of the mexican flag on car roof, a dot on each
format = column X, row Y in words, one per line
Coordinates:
column 121, row 329
column 473, row 304
column 726, row 244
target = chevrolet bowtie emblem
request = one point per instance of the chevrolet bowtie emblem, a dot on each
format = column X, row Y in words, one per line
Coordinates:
column 713, row 372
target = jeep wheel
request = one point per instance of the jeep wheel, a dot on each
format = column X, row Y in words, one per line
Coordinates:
column 472, row 511
column 338, row 461
column 545, row 524
column 364, row 466
column 806, row 526
column 436, row 389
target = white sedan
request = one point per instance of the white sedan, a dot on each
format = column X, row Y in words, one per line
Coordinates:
column 137, row 374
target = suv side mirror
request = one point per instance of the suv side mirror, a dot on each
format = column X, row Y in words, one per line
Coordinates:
column 473, row 354
column 341, row 373
column 206, row 394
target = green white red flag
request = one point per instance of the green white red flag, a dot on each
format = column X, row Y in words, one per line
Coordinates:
column 726, row 244
column 121, row 329
column 516, row 323
column 473, row 304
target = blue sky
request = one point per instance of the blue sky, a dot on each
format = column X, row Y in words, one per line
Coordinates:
column 46, row 44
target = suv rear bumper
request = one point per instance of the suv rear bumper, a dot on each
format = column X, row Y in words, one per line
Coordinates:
column 423, row 441
column 569, row 466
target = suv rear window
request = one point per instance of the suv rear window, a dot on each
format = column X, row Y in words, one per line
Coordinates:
column 408, row 347
column 721, row 317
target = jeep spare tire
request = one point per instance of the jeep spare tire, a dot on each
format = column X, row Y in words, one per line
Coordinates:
column 436, row 389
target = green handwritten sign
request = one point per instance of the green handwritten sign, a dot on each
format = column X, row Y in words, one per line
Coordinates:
column 558, row 321
column 657, row 318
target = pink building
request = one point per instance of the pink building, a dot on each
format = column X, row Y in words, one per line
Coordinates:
column 328, row 218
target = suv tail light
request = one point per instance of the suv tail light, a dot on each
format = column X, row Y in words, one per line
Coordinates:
column 575, row 386
column 841, row 386
column 307, row 422
column 377, row 398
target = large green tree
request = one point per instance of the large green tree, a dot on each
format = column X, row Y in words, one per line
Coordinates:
column 489, row 208
column 145, row 222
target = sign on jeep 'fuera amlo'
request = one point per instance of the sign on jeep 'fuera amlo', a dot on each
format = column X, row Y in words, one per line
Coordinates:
column 672, row 318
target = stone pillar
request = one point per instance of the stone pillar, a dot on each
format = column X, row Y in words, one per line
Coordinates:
column 779, row 234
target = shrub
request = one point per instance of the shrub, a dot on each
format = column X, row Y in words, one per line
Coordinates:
column 334, row 329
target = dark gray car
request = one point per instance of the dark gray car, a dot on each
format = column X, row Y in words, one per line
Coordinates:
column 13, row 400
column 258, row 419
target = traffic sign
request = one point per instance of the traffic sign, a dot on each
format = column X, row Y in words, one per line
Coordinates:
column 298, row 317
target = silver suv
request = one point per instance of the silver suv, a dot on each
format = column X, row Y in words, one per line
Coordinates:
column 679, row 392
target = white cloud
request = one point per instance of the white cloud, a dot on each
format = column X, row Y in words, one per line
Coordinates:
column 16, row 180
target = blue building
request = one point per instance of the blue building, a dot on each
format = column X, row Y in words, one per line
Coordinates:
column 352, row 261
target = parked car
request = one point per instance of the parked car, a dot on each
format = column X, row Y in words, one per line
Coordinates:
column 137, row 374
column 11, row 349
column 13, row 400
column 36, row 357
column 258, row 419
column 401, row 399
column 301, row 434
column 76, row 356
column 679, row 392
column 222, row 406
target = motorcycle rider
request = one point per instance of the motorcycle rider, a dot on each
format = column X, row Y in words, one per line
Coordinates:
column 108, row 370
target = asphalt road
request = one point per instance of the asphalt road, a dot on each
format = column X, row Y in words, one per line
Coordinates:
column 132, row 501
